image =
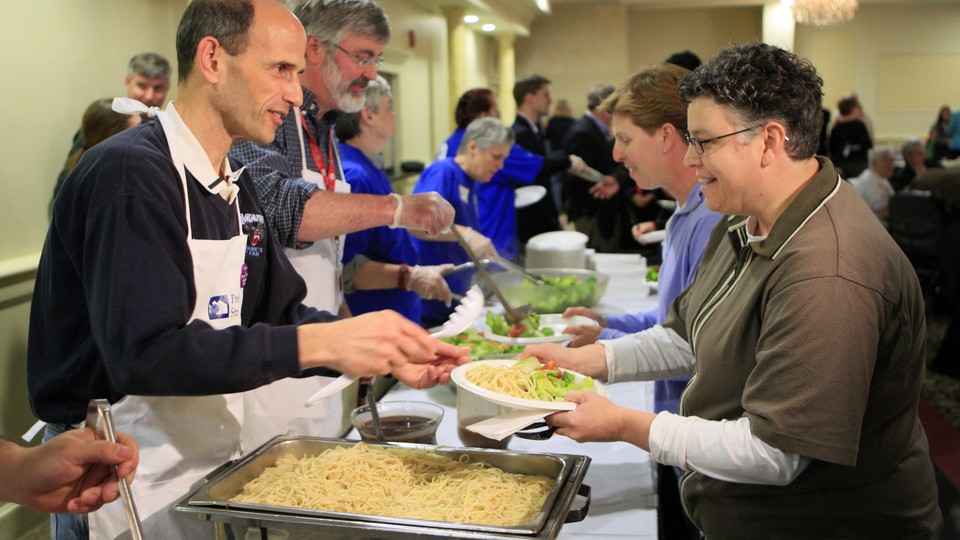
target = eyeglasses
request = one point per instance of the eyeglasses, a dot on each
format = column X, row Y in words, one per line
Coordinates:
column 363, row 61
column 697, row 144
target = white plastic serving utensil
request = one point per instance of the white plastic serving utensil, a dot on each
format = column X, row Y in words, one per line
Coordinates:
column 462, row 317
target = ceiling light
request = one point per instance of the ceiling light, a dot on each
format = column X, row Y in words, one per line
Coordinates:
column 470, row 19
column 488, row 27
column 823, row 12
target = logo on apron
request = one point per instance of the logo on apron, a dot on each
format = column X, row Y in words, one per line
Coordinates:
column 218, row 308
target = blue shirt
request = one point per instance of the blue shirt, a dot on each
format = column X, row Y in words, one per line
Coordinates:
column 380, row 244
column 452, row 183
column 688, row 230
column 498, row 216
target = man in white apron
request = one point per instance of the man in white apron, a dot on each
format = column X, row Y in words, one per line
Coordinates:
column 303, row 165
column 162, row 288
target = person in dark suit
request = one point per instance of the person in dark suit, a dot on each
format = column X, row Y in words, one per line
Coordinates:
column 532, row 94
column 596, row 209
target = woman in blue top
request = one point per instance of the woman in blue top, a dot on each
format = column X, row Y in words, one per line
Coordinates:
column 381, row 265
column 521, row 167
column 486, row 143
column 650, row 124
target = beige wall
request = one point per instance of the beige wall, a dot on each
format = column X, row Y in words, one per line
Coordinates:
column 901, row 60
column 577, row 47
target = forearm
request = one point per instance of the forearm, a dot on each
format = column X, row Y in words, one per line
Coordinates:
column 725, row 450
column 373, row 275
column 328, row 214
column 656, row 353
column 11, row 459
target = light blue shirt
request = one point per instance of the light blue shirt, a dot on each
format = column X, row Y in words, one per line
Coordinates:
column 688, row 231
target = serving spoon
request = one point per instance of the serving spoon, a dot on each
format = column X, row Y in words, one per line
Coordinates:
column 462, row 317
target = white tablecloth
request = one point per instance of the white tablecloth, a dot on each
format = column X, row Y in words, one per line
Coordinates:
column 623, row 498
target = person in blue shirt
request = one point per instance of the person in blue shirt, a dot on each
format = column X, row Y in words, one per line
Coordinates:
column 498, row 216
column 649, row 126
column 381, row 265
column 486, row 143
column 647, row 115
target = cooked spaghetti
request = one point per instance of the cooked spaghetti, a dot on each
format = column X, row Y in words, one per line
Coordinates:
column 400, row 482
column 507, row 380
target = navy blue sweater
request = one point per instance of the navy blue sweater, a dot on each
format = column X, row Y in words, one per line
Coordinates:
column 114, row 288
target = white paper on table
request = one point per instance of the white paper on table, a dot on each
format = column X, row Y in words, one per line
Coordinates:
column 505, row 425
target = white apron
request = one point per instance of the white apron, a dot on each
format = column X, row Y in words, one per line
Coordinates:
column 182, row 439
column 277, row 408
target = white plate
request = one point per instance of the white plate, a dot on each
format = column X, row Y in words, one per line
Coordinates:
column 556, row 322
column 653, row 237
column 459, row 377
column 527, row 195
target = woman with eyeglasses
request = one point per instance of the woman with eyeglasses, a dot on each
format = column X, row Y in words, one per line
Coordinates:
column 803, row 331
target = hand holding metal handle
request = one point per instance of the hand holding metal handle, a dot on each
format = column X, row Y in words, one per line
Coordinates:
column 100, row 420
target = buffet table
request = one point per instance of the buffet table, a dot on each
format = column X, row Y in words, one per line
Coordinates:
column 623, row 498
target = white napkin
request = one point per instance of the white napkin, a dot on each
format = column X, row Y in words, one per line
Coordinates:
column 505, row 425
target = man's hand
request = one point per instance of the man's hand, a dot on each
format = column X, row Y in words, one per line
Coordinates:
column 481, row 245
column 429, row 284
column 606, row 189
column 584, row 334
column 372, row 344
column 428, row 212
column 641, row 229
column 70, row 473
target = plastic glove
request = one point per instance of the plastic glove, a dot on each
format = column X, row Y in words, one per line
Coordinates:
column 427, row 282
column 427, row 212
column 480, row 244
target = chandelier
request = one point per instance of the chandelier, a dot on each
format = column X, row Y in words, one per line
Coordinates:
column 822, row 12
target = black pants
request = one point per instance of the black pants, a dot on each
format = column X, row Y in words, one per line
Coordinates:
column 672, row 521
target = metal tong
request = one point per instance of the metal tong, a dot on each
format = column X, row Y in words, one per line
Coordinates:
column 100, row 420
column 512, row 316
column 536, row 279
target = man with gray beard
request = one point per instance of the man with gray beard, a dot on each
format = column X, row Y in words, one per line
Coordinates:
column 306, row 200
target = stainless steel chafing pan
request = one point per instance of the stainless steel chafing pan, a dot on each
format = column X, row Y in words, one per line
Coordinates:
column 211, row 500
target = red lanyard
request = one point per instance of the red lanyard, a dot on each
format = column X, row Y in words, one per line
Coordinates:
column 330, row 172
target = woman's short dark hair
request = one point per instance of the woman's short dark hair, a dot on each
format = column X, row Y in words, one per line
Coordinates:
column 473, row 104
column 762, row 83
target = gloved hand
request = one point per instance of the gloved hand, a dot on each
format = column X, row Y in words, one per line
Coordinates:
column 427, row 282
column 480, row 244
column 428, row 212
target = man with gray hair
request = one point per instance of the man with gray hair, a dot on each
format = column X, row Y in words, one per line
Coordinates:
column 306, row 200
column 147, row 81
column 873, row 184
column 381, row 265
column 915, row 163
column 486, row 142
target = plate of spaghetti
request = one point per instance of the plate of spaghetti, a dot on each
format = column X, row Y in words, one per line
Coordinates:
column 526, row 384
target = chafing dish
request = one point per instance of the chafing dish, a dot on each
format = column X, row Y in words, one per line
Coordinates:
column 211, row 499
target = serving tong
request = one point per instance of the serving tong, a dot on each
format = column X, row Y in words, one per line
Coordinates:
column 512, row 316
column 100, row 420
